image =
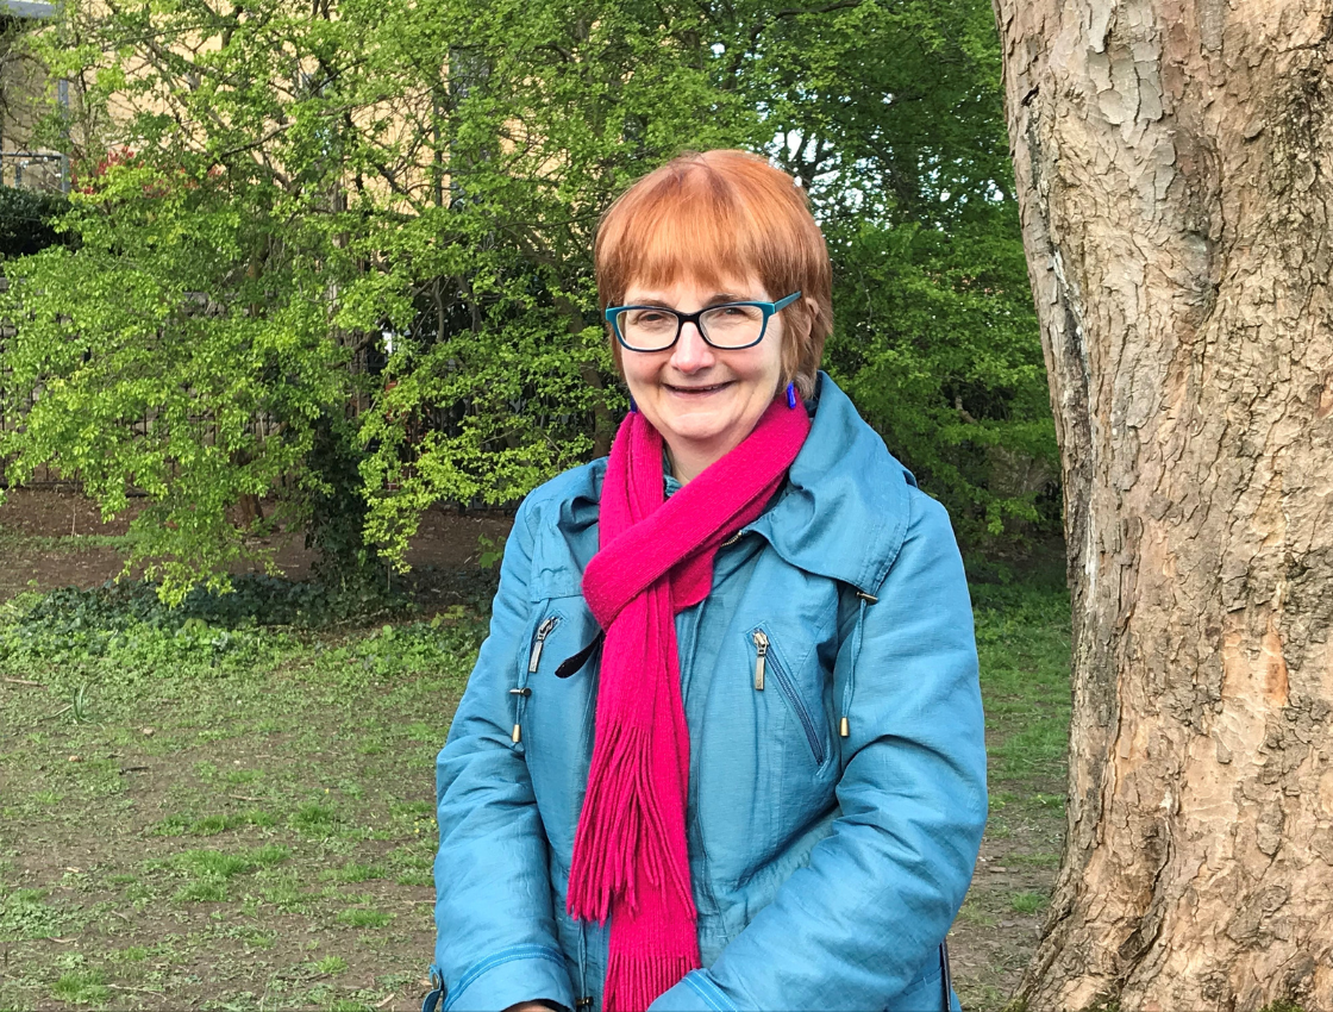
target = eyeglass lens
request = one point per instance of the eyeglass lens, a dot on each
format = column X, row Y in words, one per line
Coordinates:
column 648, row 329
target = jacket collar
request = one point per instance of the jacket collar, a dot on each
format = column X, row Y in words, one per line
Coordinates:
column 845, row 510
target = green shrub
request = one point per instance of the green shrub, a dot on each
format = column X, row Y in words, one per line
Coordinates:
column 26, row 221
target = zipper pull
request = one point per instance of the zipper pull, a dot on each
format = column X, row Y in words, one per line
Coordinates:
column 761, row 651
column 543, row 631
column 517, row 734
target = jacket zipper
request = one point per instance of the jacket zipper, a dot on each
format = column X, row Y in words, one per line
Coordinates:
column 764, row 663
column 543, row 631
column 760, row 652
column 534, row 658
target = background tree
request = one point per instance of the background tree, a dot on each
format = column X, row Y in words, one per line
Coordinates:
column 902, row 146
column 317, row 246
column 26, row 221
column 269, row 195
column 1173, row 166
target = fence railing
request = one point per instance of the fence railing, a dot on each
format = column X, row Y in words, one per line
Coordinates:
column 35, row 170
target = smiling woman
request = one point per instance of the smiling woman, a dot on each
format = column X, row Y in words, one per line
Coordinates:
column 722, row 219
column 710, row 241
column 702, row 394
column 728, row 706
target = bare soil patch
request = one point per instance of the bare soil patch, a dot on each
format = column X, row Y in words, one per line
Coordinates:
column 52, row 537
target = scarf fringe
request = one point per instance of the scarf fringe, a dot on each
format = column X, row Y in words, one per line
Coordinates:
column 622, row 826
column 635, row 980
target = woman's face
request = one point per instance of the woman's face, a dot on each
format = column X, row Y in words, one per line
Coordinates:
column 703, row 400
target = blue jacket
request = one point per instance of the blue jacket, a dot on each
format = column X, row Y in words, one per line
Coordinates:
column 834, row 815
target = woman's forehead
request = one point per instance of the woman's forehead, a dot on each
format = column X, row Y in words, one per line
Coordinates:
column 717, row 287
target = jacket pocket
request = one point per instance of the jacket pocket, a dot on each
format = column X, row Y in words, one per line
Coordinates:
column 557, row 716
column 522, row 691
column 769, row 670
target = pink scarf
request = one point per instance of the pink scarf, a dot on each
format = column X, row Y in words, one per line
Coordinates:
column 655, row 559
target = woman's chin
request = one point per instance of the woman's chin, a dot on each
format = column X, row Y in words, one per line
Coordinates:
column 697, row 428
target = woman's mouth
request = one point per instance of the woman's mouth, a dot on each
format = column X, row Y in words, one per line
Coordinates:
column 697, row 391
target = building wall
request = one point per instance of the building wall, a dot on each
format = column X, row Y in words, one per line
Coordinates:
column 22, row 86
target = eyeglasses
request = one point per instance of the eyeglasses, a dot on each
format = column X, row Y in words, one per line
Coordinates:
column 729, row 325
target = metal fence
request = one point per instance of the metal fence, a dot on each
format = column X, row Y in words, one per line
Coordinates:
column 35, row 170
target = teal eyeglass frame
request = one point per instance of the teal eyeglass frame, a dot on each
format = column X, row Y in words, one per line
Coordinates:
column 767, row 308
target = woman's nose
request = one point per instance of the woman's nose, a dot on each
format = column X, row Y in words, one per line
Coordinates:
column 691, row 352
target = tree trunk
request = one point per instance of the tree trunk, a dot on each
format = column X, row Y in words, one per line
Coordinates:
column 1174, row 163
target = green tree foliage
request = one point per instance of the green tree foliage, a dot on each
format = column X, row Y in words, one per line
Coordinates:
column 291, row 191
column 891, row 114
column 281, row 211
column 937, row 347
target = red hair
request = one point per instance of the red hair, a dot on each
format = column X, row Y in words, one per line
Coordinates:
column 723, row 215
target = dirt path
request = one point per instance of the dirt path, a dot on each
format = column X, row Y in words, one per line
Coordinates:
column 56, row 538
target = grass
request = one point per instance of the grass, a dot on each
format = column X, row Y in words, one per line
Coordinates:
column 354, row 872
column 314, row 819
column 249, row 819
column 25, row 915
column 357, row 917
column 206, row 890
column 1027, row 902
column 65, row 543
column 212, row 864
column 182, row 824
column 331, row 965
column 1023, row 643
column 225, row 812
column 1023, row 646
column 81, row 987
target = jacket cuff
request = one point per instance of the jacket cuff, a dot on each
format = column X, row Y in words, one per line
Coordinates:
column 525, row 973
column 696, row 992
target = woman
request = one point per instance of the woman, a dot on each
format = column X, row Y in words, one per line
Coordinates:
column 723, row 746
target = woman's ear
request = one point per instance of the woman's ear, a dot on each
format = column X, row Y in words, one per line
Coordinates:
column 809, row 313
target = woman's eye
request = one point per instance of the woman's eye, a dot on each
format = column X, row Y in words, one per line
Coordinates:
column 735, row 314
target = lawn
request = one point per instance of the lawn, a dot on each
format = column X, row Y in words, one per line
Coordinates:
column 197, row 810
column 229, row 806
column 1023, row 643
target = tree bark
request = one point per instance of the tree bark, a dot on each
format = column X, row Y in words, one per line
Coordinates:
column 1174, row 162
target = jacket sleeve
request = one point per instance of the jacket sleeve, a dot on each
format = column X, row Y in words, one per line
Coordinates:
column 861, row 922
column 496, row 940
